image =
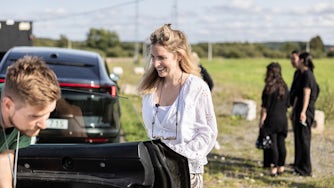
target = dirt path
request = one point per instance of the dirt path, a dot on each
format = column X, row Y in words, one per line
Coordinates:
column 239, row 161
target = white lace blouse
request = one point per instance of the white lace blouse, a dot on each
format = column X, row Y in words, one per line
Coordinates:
column 197, row 128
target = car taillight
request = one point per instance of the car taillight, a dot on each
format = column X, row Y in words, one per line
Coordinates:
column 96, row 140
column 2, row 80
column 112, row 90
column 78, row 85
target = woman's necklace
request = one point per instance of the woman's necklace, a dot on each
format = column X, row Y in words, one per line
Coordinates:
column 176, row 115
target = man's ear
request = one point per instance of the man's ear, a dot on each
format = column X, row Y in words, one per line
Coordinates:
column 8, row 103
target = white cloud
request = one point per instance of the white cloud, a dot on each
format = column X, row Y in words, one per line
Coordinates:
column 215, row 20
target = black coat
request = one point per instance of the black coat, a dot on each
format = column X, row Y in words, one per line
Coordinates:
column 206, row 77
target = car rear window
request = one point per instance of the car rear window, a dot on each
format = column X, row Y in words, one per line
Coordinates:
column 67, row 70
column 75, row 71
column 96, row 109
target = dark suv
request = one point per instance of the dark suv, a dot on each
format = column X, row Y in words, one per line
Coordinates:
column 89, row 110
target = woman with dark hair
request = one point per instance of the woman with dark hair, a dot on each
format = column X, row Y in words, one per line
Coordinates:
column 273, row 117
column 304, row 110
column 294, row 58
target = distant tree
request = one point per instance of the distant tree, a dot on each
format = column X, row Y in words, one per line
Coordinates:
column 44, row 42
column 317, row 47
column 117, row 52
column 288, row 47
column 128, row 49
column 63, row 41
column 201, row 50
column 102, row 39
column 330, row 54
column 317, row 44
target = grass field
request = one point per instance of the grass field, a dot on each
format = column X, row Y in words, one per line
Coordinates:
column 237, row 163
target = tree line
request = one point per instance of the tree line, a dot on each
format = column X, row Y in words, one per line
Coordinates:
column 108, row 44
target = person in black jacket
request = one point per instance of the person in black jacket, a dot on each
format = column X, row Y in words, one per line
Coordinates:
column 304, row 110
column 273, row 117
column 204, row 73
column 294, row 58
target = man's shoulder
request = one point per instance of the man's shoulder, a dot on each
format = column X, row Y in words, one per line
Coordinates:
column 10, row 140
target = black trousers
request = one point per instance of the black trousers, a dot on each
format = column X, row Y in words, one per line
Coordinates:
column 276, row 155
column 266, row 158
column 294, row 139
column 302, row 135
column 278, row 149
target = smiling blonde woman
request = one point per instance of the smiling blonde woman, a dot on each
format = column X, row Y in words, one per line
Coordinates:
column 177, row 105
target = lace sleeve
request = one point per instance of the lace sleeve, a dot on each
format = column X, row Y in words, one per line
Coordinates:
column 199, row 116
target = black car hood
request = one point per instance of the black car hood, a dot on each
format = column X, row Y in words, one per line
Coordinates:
column 135, row 164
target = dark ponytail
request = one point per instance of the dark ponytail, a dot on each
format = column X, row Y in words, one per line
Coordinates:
column 307, row 60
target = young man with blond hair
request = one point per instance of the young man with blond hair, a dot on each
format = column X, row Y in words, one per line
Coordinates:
column 28, row 96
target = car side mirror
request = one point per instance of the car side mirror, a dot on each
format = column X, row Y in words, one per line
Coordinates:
column 114, row 77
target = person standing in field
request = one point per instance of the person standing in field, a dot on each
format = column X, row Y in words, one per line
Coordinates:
column 273, row 117
column 204, row 73
column 177, row 106
column 294, row 58
column 304, row 109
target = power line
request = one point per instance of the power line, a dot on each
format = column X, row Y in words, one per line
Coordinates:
column 136, row 55
column 87, row 12
column 175, row 12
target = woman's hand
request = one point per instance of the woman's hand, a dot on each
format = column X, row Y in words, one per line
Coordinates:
column 302, row 118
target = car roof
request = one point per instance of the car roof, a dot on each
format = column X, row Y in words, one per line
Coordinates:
column 48, row 53
column 85, row 65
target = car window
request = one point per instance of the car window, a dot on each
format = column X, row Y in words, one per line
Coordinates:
column 95, row 109
column 70, row 70
column 66, row 70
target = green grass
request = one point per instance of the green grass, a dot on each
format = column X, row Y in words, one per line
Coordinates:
column 244, row 78
column 248, row 74
column 237, row 163
column 132, row 124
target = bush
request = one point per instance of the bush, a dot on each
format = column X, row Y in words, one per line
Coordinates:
column 323, row 102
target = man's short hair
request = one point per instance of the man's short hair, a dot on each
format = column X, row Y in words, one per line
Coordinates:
column 30, row 81
column 294, row 52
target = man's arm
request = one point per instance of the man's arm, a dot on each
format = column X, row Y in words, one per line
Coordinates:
column 5, row 168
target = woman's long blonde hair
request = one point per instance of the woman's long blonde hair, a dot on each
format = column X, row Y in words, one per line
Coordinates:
column 174, row 41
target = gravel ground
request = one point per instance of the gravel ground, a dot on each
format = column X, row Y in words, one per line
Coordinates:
column 237, row 151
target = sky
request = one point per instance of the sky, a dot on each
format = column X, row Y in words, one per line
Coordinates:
column 201, row 20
